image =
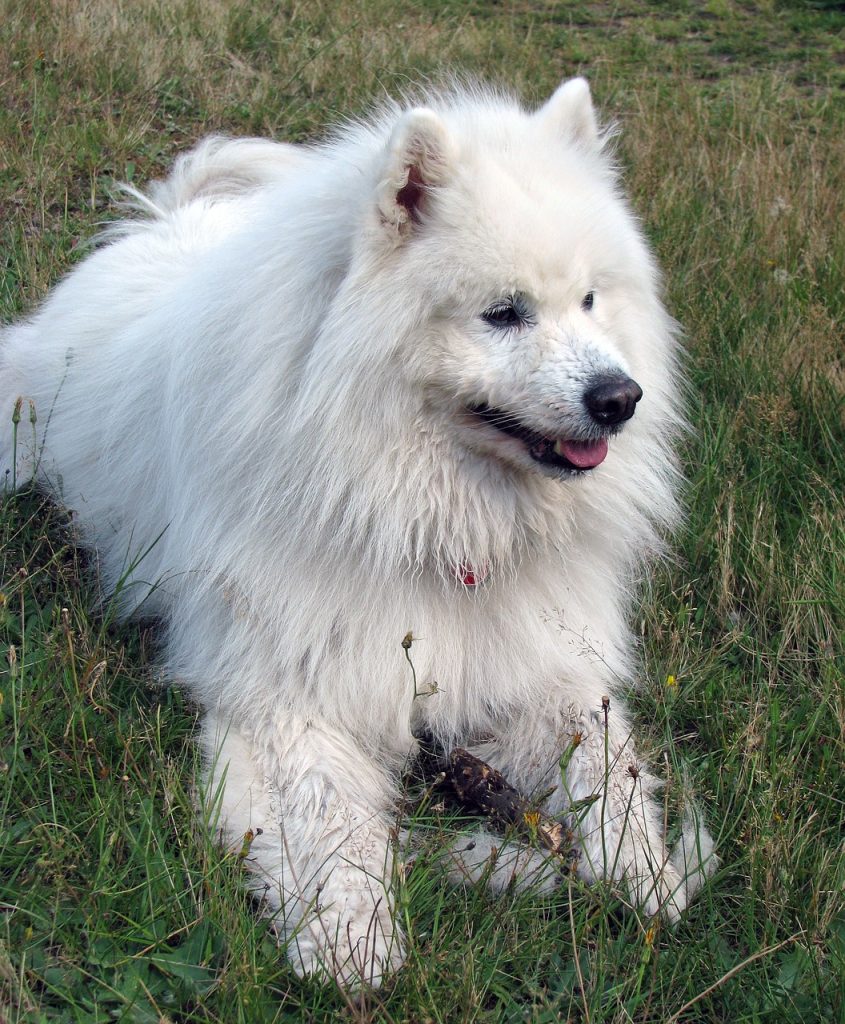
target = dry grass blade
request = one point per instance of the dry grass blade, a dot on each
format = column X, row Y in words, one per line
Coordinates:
column 759, row 955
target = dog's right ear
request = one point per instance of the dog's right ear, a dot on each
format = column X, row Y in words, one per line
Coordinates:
column 420, row 157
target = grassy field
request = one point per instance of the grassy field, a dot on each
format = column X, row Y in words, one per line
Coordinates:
column 115, row 903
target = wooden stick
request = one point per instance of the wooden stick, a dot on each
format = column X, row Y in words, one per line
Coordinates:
column 480, row 788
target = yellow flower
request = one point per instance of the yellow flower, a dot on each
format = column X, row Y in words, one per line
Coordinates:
column 671, row 681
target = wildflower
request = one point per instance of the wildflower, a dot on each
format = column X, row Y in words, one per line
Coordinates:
column 249, row 835
column 531, row 819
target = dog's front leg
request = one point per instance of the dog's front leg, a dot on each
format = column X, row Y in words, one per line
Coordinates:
column 315, row 811
column 583, row 760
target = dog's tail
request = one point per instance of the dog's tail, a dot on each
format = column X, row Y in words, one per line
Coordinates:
column 217, row 168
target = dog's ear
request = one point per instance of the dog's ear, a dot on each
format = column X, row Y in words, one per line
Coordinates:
column 420, row 157
column 570, row 113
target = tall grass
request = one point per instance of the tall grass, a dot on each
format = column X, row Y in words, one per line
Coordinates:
column 115, row 901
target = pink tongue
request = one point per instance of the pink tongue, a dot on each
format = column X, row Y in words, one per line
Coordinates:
column 584, row 454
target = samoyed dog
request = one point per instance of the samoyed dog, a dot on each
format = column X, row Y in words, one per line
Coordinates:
column 418, row 380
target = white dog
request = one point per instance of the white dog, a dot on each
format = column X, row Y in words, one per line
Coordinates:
column 416, row 379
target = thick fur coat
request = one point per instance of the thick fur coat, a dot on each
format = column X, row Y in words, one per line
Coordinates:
column 316, row 398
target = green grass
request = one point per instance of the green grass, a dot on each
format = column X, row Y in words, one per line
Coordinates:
column 115, row 902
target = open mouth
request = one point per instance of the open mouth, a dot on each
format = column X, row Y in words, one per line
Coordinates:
column 557, row 452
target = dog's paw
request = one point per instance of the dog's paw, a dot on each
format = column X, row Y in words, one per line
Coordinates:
column 352, row 941
column 693, row 856
column 691, row 862
column 658, row 882
column 499, row 862
column 657, row 890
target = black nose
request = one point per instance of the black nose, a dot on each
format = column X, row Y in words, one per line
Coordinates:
column 611, row 400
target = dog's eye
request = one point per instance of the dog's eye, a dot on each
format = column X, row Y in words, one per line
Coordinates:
column 507, row 313
column 587, row 301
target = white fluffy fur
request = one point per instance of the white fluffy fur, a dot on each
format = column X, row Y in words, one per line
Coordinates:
column 253, row 401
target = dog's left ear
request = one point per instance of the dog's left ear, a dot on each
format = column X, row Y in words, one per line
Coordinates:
column 570, row 113
column 420, row 157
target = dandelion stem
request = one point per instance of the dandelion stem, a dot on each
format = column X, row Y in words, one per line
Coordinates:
column 605, row 704
column 16, row 418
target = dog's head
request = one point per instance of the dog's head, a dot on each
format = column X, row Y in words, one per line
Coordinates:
column 529, row 293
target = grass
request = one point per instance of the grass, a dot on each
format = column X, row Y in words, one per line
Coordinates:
column 115, row 901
